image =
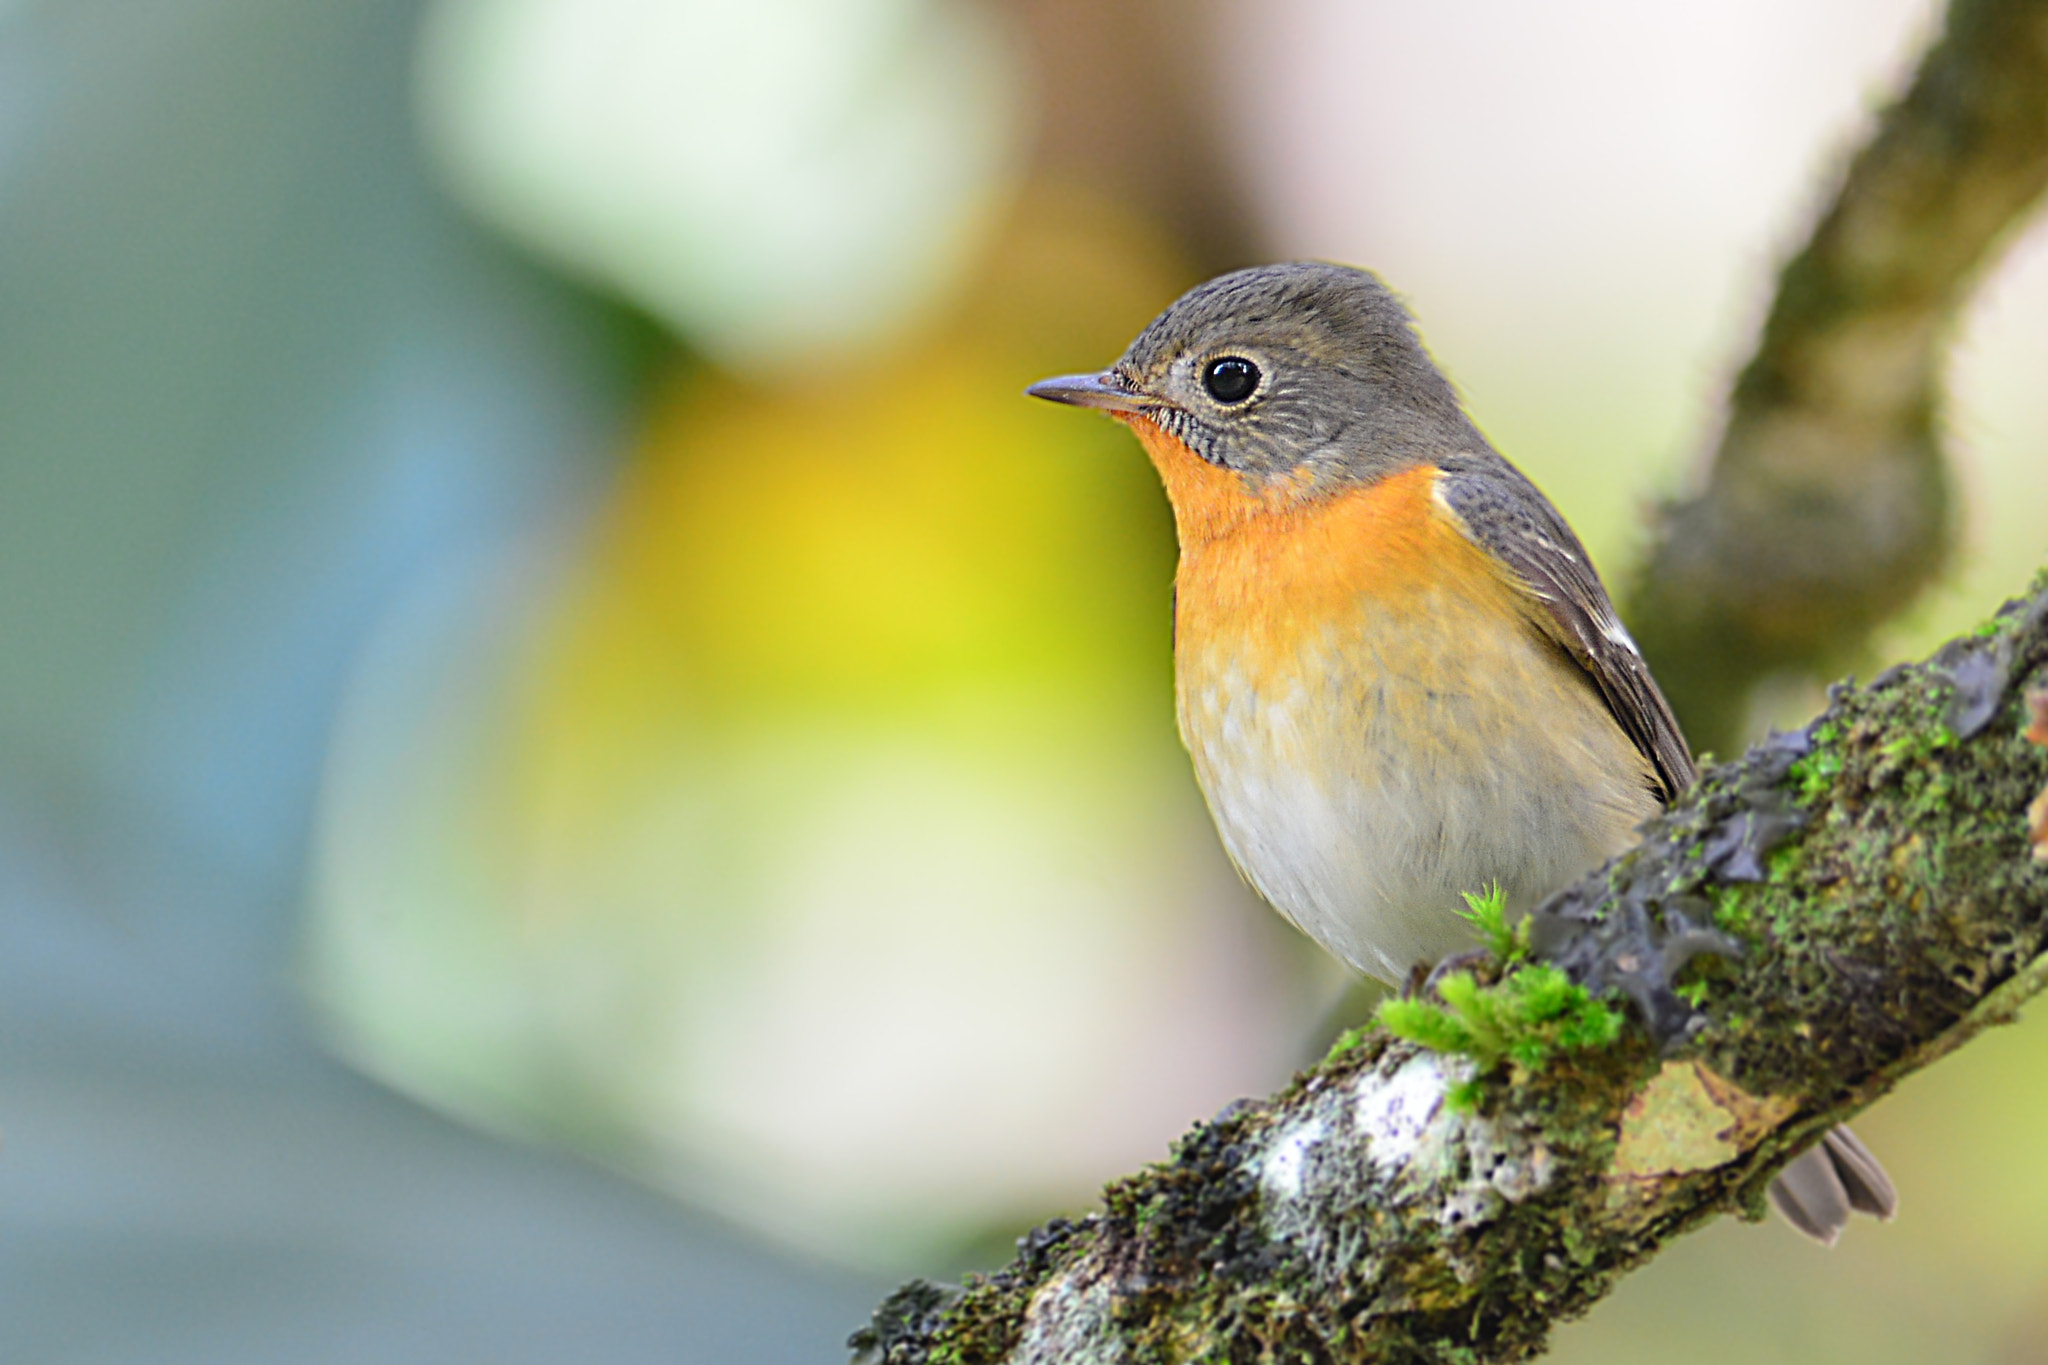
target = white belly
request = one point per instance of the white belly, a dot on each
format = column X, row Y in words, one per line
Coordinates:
column 1362, row 794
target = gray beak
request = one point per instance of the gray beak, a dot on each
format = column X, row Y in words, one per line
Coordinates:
column 1090, row 391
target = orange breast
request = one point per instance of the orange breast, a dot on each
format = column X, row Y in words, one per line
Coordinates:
column 1262, row 571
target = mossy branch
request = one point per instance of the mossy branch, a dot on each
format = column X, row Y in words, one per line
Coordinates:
column 1827, row 507
column 1837, row 909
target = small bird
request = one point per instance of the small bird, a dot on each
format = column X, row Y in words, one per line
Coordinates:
column 1398, row 675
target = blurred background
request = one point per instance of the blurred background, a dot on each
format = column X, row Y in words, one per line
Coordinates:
column 582, row 779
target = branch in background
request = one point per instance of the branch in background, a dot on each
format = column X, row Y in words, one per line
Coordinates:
column 1827, row 507
column 1884, row 869
column 1128, row 111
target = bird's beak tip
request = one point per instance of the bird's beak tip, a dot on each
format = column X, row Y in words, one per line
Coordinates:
column 1086, row 391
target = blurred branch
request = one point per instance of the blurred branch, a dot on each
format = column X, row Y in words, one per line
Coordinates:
column 1883, row 872
column 1827, row 507
column 1128, row 109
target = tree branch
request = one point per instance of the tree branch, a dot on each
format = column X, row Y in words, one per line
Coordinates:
column 1827, row 506
column 1890, row 896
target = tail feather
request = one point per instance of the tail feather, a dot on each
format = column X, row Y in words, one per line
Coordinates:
column 1869, row 1188
column 1832, row 1179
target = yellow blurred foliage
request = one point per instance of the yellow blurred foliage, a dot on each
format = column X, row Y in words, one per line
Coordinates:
column 878, row 545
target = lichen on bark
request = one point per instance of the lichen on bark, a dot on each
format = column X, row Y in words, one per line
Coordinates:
column 1876, row 869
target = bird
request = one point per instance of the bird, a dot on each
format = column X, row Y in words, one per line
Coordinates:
column 1396, row 670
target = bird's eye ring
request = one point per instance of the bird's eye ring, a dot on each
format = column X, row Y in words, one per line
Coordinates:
column 1230, row 379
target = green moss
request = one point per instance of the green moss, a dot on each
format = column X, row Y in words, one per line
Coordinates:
column 1782, row 865
column 1347, row 1041
column 1815, row 774
column 1529, row 1014
column 1915, row 744
column 1533, row 1013
column 1487, row 913
column 1928, row 795
column 1732, row 912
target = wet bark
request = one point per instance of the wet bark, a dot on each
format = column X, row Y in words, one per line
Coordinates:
column 1878, row 887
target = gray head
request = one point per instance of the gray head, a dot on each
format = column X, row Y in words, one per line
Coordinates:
column 1282, row 370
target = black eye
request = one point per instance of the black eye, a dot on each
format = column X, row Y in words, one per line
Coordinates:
column 1230, row 379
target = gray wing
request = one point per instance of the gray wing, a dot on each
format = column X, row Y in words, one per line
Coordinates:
column 1511, row 519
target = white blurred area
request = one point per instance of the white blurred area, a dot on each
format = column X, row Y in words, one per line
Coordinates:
column 949, row 986
column 774, row 180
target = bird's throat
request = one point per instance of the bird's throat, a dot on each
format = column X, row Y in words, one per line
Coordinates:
column 1208, row 500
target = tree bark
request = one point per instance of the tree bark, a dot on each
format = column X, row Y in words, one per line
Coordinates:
column 1872, row 892
column 1827, row 506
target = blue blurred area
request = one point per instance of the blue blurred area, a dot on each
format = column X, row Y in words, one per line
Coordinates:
column 255, row 381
